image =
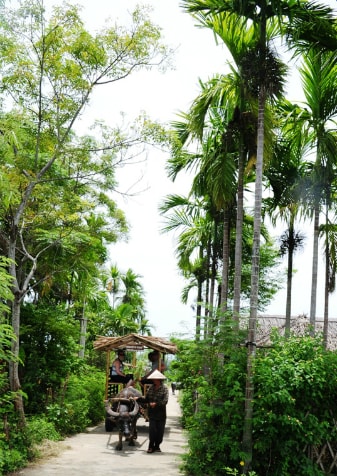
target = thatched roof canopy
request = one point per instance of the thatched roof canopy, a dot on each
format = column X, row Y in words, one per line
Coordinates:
column 135, row 342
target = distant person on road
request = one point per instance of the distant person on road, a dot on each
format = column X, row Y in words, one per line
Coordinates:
column 117, row 369
column 156, row 397
column 173, row 387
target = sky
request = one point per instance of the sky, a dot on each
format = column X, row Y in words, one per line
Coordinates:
column 148, row 252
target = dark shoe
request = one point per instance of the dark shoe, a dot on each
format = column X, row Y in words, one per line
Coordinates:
column 150, row 450
column 158, row 450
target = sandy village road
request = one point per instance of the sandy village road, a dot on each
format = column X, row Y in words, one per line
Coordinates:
column 93, row 453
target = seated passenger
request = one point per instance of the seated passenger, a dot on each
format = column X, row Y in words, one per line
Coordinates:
column 154, row 358
column 117, row 370
column 157, row 362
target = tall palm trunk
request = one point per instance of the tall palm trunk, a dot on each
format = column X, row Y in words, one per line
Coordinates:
column 291, row 245
column 239, row 214
column 199, row 300
column 225, row 254
column 327, row 282
column 247, row 440
column 198, row 316
column 238, row 239
column 207, row 290
column 314, row 270
column 211, row 314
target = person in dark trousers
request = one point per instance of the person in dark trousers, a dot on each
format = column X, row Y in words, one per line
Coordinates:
column 156, row 398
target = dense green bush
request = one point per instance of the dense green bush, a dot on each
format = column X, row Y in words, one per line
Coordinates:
column 13, row 450
column 12, row 459
column 212, row 406
column 62, row 394
column 79, row 404
column 295, row 394
column 294, row 406
column 49, row 349
column 19, row 445
column 82, row 402
column 38, row 430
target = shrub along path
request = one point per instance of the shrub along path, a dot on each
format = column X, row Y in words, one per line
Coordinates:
column 93, row 453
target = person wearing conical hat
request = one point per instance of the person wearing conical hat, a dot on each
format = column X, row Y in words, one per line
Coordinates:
column 156, row 398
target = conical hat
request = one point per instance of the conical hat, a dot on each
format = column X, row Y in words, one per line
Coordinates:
column 156, row 375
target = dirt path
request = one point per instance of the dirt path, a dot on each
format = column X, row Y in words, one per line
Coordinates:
column 93, row 453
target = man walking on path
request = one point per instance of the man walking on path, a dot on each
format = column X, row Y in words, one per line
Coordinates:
column 93, row 453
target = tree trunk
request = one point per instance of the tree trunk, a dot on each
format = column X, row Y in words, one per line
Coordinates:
column 225, row 254
column 211, row 315
column 83, row 333
column 198, row 317
column 238, row 242
column 239, row 218
column 289, row 274
column 327, row 284
column 314, row 271
column 207, row 291
column 14, row 366
column 247, row 440
column 199, row 300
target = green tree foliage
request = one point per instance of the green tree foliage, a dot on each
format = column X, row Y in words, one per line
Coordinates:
column 81, row 402
column 8, row 451
column 49, row 344
column 295, row 410
column 264, row 75
column 213, row 378
column 56, row 213
column 295, row 388
column 199, row 250
column 5, row 290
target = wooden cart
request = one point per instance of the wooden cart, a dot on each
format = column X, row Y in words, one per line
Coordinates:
column 133, row 343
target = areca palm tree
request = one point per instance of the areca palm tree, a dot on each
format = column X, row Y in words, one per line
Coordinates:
column 284, row 175
column 258, row 80
column 313, row 126
column 134, row 294
column 112, row 282
column 320, row 88
column 265, row 79
column 193, row 251
column 216, row 176
column 215, row 120
column 329, row 229
column 230, row 93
